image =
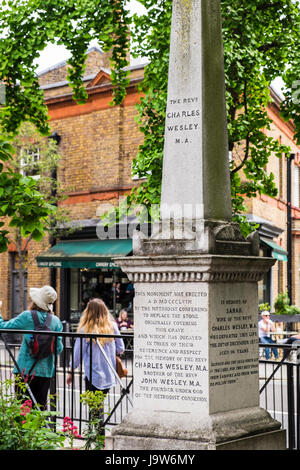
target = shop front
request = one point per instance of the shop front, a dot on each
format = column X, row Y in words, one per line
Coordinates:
column 87, row 270
column 268, row 247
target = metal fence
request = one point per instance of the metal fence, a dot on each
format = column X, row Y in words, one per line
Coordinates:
column 279, row 382
column 64, row 399
column 280, row 388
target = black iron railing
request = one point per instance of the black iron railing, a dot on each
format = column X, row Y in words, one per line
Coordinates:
column 65, row 400
column 280, row 388
column 279, row 382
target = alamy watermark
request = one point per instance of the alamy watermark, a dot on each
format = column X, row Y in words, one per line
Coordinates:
column 176, row 221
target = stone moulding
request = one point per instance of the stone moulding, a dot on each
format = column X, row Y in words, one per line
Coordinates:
column 144, row 429
column 201, row 268
column 195, row 277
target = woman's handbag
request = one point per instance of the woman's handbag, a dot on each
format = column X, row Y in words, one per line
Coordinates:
column 120, row 368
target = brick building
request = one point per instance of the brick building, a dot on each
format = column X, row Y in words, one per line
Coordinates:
column 97, row 143
column 272, row 213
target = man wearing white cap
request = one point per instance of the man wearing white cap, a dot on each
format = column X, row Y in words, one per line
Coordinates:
column 265, row 326
column 39, row 372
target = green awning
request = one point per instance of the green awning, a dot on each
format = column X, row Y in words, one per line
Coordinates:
column 84, row 254
column 277, row 251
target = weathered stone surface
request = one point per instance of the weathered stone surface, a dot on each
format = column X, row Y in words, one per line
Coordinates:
column 195, row 165
column 273, row 440
column 196, row 340
column 199, row 237
column 188, row 267
column 251, row 428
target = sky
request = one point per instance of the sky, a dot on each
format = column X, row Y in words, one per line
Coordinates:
column 53, row 54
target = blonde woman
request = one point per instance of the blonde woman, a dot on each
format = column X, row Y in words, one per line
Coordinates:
column 96, row 319
column 123, row 322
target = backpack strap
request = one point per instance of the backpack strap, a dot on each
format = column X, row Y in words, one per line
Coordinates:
column 48, row 320
column 37, row 323
column 35, row 318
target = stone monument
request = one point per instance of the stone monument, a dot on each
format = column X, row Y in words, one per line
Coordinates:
column 195, row 309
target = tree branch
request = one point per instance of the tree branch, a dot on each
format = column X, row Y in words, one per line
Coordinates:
column 271, row 45
column 246, row 156
column 268, row 5
column 27, row 242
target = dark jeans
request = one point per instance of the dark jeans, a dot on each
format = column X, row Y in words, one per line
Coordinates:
column 90, row 387
column 268, row 340
column 39, row 387
column 290, row 340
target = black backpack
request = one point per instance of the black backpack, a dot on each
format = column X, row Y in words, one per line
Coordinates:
column 40, row 345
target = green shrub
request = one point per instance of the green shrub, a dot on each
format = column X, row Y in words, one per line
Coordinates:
column 263, row 307
column 23, row 427
column 95, row 402
column 293, row 310
column 282, row 305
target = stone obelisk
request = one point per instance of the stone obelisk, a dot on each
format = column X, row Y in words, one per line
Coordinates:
column 195, row 361
column 196, row 145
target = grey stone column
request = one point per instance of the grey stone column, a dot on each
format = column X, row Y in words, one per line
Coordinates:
column 195, row 165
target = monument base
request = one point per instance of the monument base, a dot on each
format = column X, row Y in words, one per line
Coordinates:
column 196, row 364
column 244, row 429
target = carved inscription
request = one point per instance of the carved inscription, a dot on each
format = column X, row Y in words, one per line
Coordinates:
column 195, row 346
column 183, row 119
column 171, row 363
column 233, row 339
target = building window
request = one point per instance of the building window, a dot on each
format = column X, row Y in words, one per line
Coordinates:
column 264, row 286
column 30, row 159
column 18, row 282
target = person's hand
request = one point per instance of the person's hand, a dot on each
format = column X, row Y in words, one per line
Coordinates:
column 69, row 379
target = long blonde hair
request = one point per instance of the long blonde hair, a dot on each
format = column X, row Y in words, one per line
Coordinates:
column 97, row 319
column 121, row 313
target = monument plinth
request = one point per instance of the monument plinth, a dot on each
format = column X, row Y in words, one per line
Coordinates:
column 195, row 367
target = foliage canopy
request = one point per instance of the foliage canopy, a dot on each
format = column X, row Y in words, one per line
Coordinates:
column 261, row 42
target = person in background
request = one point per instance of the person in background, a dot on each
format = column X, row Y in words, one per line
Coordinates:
column 116, row 290
column 130, row 289
column 96, row 319
column 291, row 340
column 123, row 322
column 40, row 375
column 129, row 296
column 265, row 326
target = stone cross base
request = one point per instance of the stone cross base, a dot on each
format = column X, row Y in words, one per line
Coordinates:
column 178, row 237
column 196, row 355
column 247, row 429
